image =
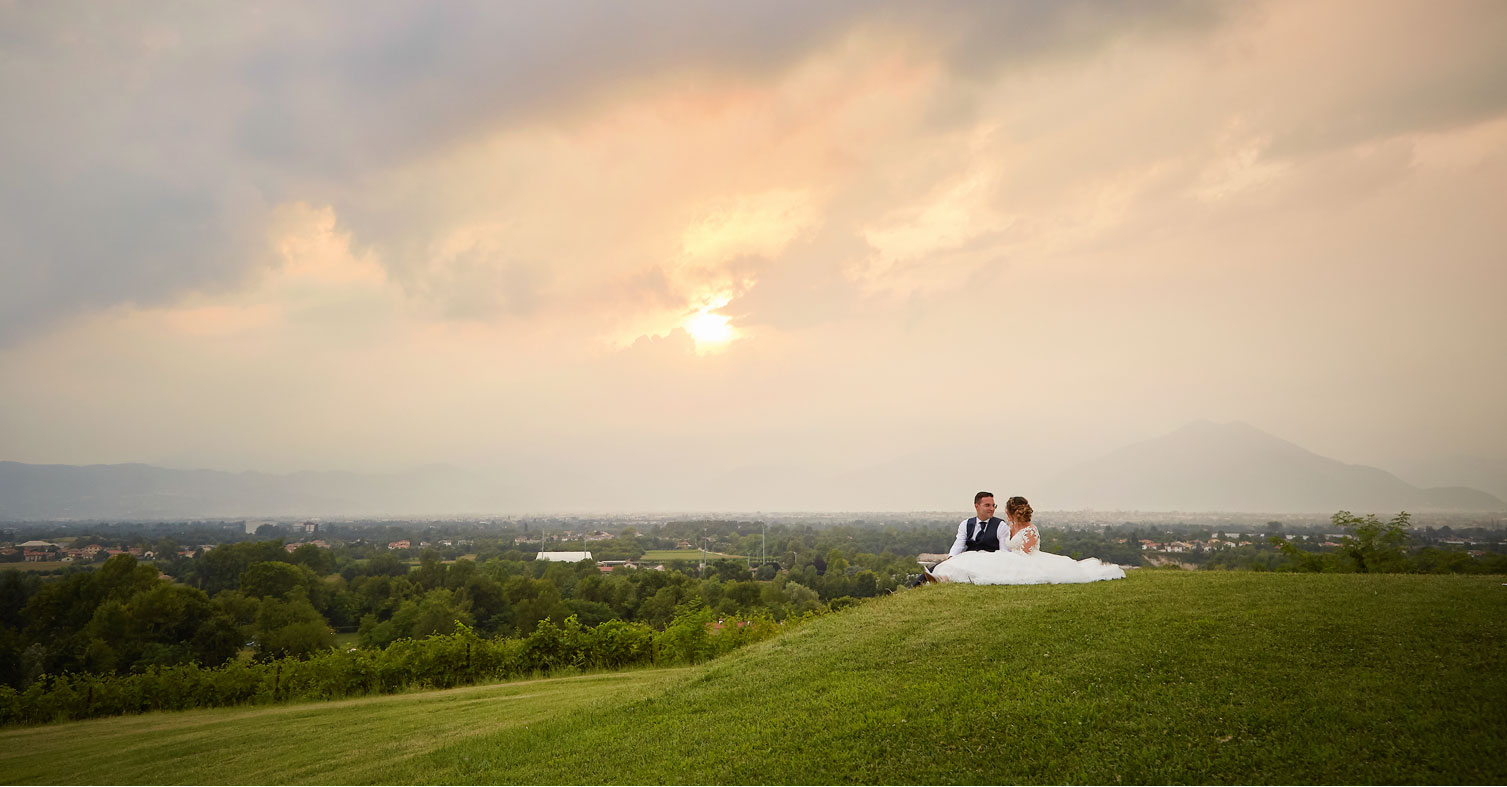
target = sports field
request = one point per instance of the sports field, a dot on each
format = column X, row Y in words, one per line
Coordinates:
column 666, row 555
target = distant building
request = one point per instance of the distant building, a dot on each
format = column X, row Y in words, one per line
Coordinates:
column 563, row 557
column 39, row 551
column 399, row 544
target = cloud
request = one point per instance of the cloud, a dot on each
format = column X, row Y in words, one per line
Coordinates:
column 146, row 145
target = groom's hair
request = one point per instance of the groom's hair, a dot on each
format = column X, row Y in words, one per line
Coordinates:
column 981, row 496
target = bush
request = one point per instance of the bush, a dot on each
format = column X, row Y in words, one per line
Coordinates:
column 439, row 661
column 687, row 640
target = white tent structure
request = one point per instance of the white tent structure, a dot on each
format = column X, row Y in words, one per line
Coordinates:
column 563, row 557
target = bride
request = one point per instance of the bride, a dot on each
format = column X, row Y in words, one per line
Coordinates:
column 1020, row 561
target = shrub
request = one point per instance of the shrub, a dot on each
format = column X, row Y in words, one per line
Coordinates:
column 439, row 661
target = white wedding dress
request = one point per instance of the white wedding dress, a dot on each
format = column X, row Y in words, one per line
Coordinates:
column 1014, row 565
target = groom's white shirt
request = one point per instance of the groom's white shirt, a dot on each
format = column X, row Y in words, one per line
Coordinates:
column 960, row 544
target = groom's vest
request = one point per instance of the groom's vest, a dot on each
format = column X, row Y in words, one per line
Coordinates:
column 982, row 537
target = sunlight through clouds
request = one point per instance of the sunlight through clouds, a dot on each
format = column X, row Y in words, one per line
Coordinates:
column 748, row 225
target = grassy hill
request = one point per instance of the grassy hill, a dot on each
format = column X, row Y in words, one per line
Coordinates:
column 1165, row 677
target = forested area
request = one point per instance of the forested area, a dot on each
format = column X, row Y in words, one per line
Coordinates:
column 260, row 601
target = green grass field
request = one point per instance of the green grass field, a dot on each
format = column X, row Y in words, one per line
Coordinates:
column 45, row 566
column 693, row 555
column 1166, row 677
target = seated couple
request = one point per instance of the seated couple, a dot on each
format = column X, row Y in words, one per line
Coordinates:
column 983, row 555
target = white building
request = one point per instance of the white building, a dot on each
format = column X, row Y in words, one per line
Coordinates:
column 563, row 557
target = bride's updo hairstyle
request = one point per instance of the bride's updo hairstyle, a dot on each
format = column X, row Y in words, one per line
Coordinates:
column 1017, row 508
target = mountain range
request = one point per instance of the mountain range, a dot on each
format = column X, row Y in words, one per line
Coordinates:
column 129, row 491
column 1202, row 467
column 1206, row 466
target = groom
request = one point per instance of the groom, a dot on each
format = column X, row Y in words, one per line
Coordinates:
column 978, row 533
column 974, row 533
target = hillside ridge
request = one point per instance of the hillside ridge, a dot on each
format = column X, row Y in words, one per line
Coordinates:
column 1162, row 677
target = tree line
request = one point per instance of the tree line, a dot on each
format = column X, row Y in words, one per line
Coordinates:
column 257, row 600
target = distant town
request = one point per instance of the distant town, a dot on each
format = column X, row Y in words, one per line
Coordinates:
column 1162, row 538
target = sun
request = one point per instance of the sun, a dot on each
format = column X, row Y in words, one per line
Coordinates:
column 709, row 329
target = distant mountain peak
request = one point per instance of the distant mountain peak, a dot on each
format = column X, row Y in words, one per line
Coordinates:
column 1234, row 466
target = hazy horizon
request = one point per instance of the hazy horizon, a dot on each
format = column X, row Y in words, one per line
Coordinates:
column 630, row 248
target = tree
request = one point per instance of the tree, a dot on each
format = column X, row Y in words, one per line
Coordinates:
column 221, row 568
column 533, row 600
column 431, row 572
column 590, row 613
column 489, row 606
column 865, row 584
column 291, row 627
column 168, row 613
column 320, row 561
column 216, row 641
column 266, row 578
column 741, row 596
column 436, row 612
column 1369, row 546
column 1375, row 547
column 802, row 599
column 375, row 633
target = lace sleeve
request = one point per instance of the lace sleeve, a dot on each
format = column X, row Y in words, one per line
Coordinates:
column 1027, row 540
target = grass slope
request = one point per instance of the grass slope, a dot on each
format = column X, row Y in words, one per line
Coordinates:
column 1164, row 677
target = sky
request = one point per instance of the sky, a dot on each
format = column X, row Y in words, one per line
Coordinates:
column 619, row 251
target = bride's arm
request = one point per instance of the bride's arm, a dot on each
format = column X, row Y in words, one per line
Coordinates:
column 1026, row 540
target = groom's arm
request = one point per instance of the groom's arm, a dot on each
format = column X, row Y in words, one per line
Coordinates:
column 961, row 542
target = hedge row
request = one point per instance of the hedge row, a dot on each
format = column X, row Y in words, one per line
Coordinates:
column 435, row 662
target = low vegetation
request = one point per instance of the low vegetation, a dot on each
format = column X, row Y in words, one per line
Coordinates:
column 1165, row 677
column 439, row 661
